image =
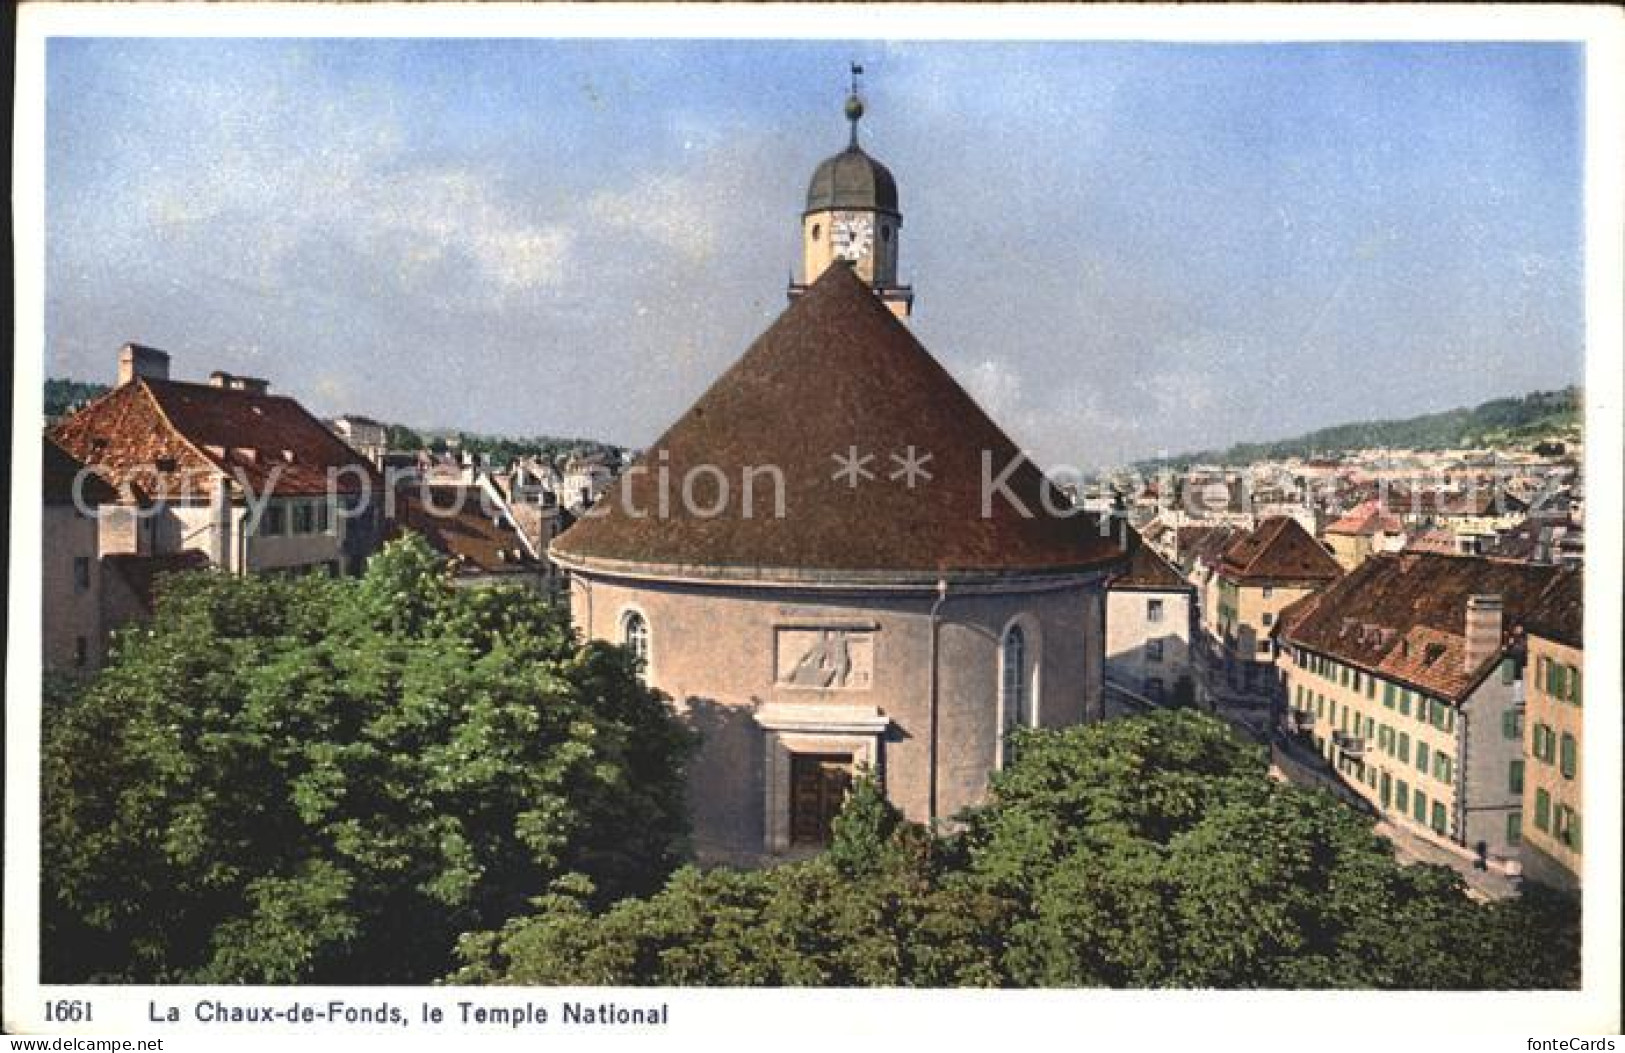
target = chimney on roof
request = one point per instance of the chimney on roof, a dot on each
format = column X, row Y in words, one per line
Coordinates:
column 1483, row 632
column 134, row 361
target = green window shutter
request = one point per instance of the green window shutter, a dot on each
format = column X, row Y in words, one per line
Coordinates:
column 1509, row 721
column 1404, row 703
column 1370, row 686
column 1509, row 670
column 1402, row 796
column 1388, row 695
column 1515, row 776
column 1419, row 810
column 1543, row 810
column 1515, row 828
column 1567, row 758
column 1438, row 817
column 1422, row 757
column 1573, row 684
column 1404, row 747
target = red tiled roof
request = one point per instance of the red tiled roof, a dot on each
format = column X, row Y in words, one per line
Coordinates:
column 59, row 472
column 1560, row 614
column 1278, row 550
column 1149, row 572
column 167, row 437
column 1369, row 518
column 1403, row 616
column 837, row 373
column 455, row 522
column 141, row 573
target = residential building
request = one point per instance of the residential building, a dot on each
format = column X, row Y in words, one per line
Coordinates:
column 477, row 531
column 1408, row 675
column 1553, row 736
column 248, row 477
column 70, row 562
column 1260, row 574
column 364, row 435
column 1366, row 530
column 1150, row 611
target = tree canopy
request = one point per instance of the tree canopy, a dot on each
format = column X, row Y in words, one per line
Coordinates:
column 309, row 780
column 1151, row 851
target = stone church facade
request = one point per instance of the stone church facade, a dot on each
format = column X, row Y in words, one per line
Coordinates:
column 835, row 559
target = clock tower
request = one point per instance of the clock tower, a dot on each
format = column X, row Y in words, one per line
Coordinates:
column 852, row 218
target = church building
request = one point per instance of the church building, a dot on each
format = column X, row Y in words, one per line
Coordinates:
column 835, row 559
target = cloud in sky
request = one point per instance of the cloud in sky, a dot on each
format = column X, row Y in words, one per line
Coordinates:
column 1117, row 248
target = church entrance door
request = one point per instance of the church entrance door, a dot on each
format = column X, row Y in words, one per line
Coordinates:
column 818, row 785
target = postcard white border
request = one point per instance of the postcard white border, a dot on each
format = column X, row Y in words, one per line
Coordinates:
column 802, row 1019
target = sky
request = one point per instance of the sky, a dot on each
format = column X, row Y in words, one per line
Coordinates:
column 1119, row 249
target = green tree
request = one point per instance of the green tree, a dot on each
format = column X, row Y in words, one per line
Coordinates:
column 320, row 780
column 1153, row 851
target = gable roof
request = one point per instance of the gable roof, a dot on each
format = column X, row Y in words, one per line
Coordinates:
column 837, row 374
column 1148, row 571
column 1279, row 550
column 58, row 474
column 170, row 438
column 1560, row 614
column 1403, row 616
column 1366, row 520
column 456, row 521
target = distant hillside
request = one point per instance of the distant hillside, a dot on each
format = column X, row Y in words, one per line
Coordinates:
column 1536, row 417
column 63, row 395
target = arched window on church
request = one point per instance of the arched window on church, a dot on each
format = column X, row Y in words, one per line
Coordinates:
column 1013, row 700
column 635, row 636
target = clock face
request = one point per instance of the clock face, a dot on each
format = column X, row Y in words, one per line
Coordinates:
column 852, row 237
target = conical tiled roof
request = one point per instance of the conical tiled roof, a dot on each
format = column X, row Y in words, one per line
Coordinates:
column 837, row 373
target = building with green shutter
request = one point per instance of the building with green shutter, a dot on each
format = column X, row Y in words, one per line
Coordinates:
column 1408, row 675
column 1552, row 803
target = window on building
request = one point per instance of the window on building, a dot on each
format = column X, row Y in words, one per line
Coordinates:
column 1543, row 810
column 1404, row 747
column 1388, row 695
column 1439, row 818
column 1509, row 670
column 1515, row 777
column 1422, row 757
column 1013, row 693
column 1419, row 807
column 1543, row 743
column 1264, row 647
column 1404, row 703
column 635, row 637
column 1153, row 650
column 1567, row 757
column 1512, row 724
column 1572, row 684
column 1402, row 796
column 273, row 521
column 1515, row 828
column 1566, row 826
column 1268, row 591
column 1269, row 619
column 81, row 573
column 1153, row 610
column 1443, row 767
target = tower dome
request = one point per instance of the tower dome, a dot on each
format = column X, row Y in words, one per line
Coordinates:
column 852, row 179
